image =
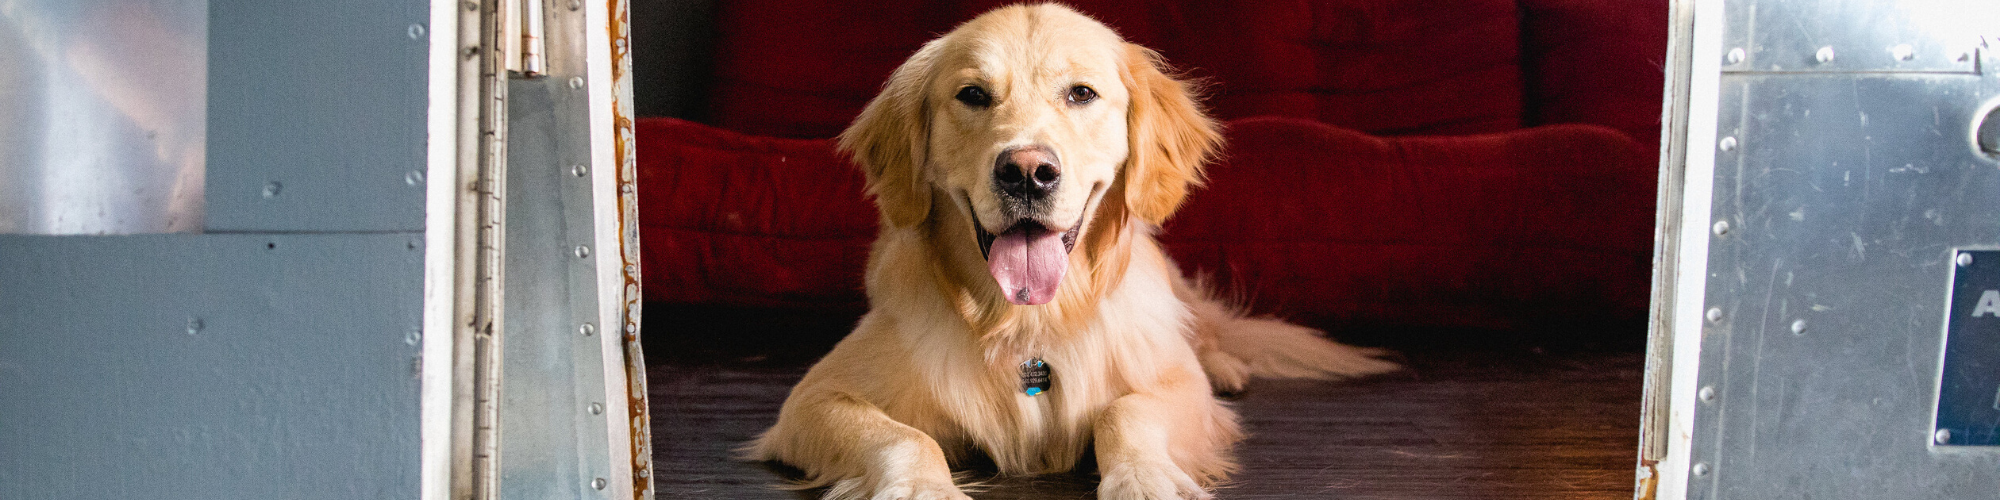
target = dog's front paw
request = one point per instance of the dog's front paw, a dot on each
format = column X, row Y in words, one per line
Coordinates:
column 1149, row 481
column 864, row 488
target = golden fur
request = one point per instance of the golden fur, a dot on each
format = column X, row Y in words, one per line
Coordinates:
column 931, row 373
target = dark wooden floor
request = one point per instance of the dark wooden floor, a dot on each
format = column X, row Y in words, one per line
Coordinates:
column 1496, row 423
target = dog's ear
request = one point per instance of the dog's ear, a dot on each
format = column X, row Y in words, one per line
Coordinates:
column 1170, row 137
column 891, row 138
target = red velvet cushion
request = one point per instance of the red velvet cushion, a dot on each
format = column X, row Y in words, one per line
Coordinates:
column 732, row 219
column 1596, row 61
column 1504, row 230
column 804, row 68
column 1314, row 221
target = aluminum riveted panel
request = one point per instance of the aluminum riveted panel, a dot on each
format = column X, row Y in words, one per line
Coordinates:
column 1839, row 198
column 210, row 366
column 316, row 115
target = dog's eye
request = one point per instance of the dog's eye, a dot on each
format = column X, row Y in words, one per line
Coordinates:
column 1082, row 95
column 974, row 96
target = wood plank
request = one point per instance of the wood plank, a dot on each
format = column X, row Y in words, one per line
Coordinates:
column 1499, row 423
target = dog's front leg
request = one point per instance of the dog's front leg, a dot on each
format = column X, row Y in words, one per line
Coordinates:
column 875, row 457
column 1140, row 435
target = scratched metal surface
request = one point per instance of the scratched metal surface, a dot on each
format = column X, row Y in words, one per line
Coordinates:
column 1844, row 195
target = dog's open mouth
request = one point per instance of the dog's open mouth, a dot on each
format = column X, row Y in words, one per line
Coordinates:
column 1028, row 260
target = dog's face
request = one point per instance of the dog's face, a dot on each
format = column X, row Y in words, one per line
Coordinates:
column 1031, row 121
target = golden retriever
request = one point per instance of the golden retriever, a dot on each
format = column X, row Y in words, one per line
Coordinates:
column 1019, row 304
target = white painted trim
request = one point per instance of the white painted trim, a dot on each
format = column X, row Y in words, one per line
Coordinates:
column 435, row 402
column 1690, row 280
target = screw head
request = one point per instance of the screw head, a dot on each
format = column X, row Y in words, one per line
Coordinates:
column 576, row 82
column 587, row 329
column 631, row 328
column 413, row 336
column 579, row 170
column 416, row 31
column 1798, row 327
column 1824, row 54
column 1943, row 436
column 597, row 483
column 1706, row 393
column 1903, row 52
column 1700, row 468
column 195, row 325
column 597, row 408
column 583, row 251
column 1964, row 259
column 414, row 177
column 1727, row 144
column 1735, row 56
column 1714, row 314
column 271, row 190
column 1720, row 228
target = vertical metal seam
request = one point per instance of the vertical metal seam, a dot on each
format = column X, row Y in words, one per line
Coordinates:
column 487, row 294
column 619, row 27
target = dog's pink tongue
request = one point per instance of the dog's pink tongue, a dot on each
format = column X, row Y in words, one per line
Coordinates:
column 1028, row 263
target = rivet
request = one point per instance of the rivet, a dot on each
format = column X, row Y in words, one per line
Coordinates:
column 583, row 251
column 1943, row 436
column 1798, row 327
column 631, row 269
column 1720, row 228
column 645, row 473
column 627, row 188
column 1735, row 56
column 597, row 483
column 1706, row 393
column 1727, row 144
column 576, row 82
column 271, row 190
column 472, row 6
column 579, row 170
column 471, row 52
column 194, row 326
column 597, row 408
column 1824, row 54
column 416, row 32
column 587, row 329
column 414, row 177
column 631, row 328
column 1714, row 314
column 1964, row 259
column 1700, row 468
column 413, row 337
column 1903, row 52
column 575, row 4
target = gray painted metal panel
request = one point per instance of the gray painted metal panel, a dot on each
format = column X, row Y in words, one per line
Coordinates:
column 209, row 366
column 1838, row 200
column 316, row 115
column 101, row 116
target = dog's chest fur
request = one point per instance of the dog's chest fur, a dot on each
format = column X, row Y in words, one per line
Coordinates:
column 977, row 388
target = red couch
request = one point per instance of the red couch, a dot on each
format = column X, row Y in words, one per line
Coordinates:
column 1390, row 163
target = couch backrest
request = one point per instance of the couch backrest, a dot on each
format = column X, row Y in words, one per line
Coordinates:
column 796, row 68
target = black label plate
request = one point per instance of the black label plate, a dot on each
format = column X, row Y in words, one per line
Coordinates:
column 1968, row 412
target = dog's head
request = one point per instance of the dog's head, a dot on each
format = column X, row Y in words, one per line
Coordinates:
column 1029, row 123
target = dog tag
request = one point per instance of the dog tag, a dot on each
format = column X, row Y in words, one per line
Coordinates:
column 1034, row 377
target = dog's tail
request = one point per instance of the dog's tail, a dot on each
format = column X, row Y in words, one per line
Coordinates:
column 1234, row 347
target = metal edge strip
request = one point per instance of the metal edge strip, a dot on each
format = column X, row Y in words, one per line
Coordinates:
column 1690, row 237
column 614, row 179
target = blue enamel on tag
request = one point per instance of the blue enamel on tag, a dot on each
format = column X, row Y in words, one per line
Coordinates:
column 1034, row 377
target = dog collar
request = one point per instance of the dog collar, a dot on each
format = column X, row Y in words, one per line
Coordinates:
column 1034, row 376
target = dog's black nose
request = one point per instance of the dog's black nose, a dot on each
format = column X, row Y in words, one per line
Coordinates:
column 1027, row 172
